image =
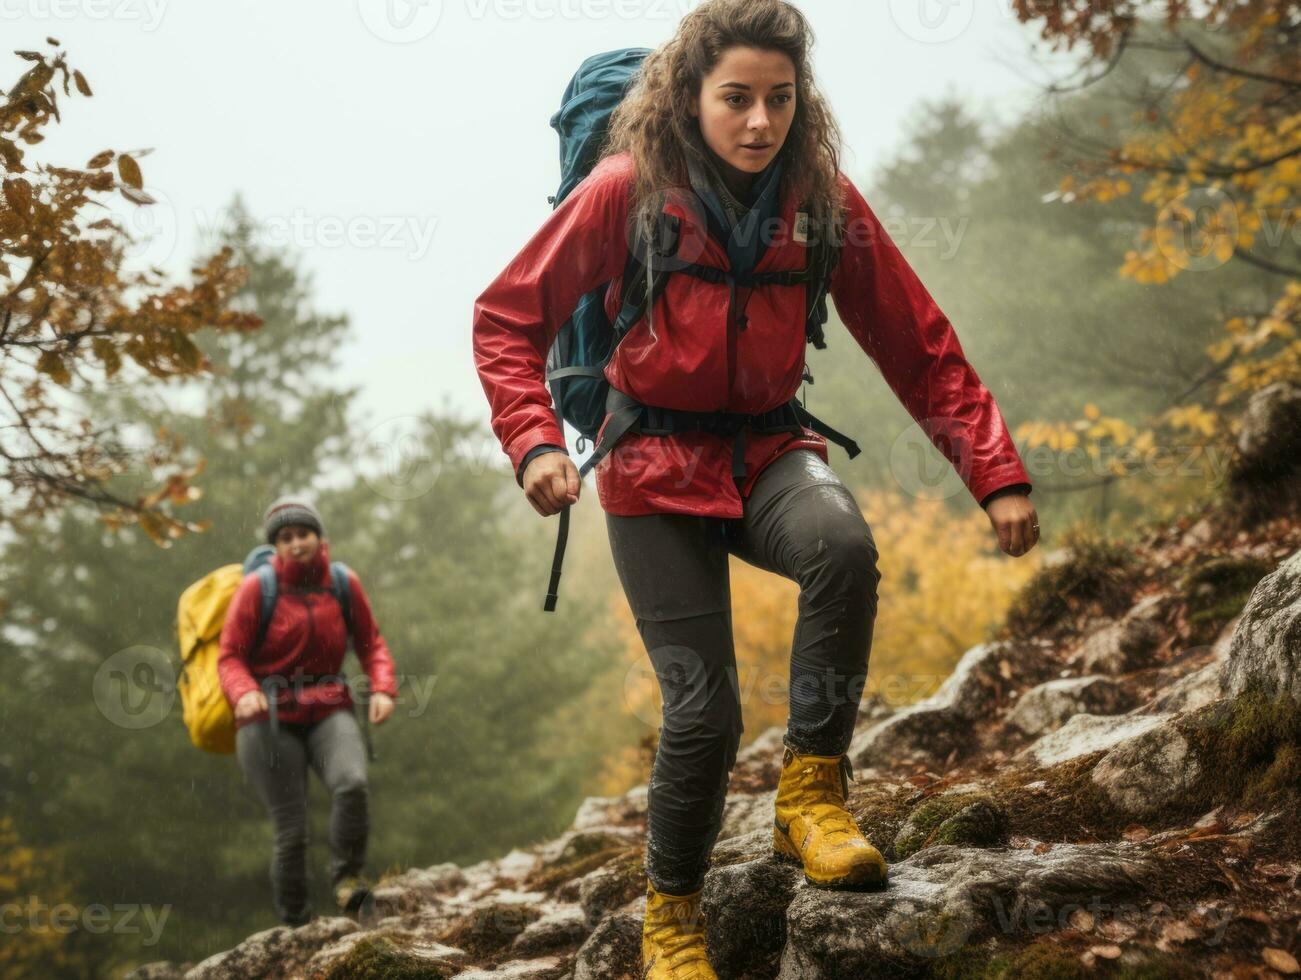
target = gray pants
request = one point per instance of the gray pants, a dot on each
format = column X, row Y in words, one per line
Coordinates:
column 802, row 523
column 333, row 747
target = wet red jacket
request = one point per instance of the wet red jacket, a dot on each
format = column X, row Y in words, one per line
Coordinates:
column 701, row 358
column 306, row 636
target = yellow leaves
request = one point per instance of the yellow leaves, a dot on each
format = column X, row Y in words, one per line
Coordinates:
column 1193, row 418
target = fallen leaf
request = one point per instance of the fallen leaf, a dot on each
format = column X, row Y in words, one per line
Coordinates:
column 1043, row 848
column 1280, row 960
column 1135, row 833
column 1116, row 930
column 1107, row 952
column 1082, row 920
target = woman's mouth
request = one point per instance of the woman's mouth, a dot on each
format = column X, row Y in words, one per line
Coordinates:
column 756, row 147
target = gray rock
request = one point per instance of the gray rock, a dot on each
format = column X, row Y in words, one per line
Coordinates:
column 612, row 951
column 1266, row 644
column 1053, row 703
column 945, row 897
column 1085, row 734
column 1148, row 772
column 547, row 968
column 411, row 947
column 1198, row 687
column 1126, row 644
column 559, row 928
column 1271, row 427
column 745, row 912
column 940, row 726
column 744, row 813
column 279, row 951
column 602, row 890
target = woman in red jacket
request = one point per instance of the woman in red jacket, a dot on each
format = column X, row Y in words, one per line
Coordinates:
column 725, row 130
column 299, row 662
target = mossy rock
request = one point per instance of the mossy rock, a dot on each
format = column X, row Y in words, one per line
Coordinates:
column 583, row 853
column 490, row 929
column 971, row 819
column 380, row 958
column 1217, row 590
column 1249, row 749
column 1098, row 577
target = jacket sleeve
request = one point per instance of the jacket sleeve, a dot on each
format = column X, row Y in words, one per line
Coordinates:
column 238, row 634
column 580, row 246
column 894, row 319
column 371, row 649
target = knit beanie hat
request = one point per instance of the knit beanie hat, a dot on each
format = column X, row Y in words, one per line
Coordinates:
column 289, row 510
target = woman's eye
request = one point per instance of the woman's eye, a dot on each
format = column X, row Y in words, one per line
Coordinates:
column 740, row 98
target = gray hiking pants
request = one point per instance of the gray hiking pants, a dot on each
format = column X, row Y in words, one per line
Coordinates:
column 802, row 523
column 333, row 747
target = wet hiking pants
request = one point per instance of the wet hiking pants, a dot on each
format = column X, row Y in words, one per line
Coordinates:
column 333, row 747
column 801, row 522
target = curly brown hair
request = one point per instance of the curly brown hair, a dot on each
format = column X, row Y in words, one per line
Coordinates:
column 654, row 124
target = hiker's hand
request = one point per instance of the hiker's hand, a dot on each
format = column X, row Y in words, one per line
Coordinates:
column 1016, row 523
column 250, row 704
column 381, row 706
column 551, row 483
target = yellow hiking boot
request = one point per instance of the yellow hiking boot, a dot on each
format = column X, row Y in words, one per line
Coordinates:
column 673, row 938
column 813, row 827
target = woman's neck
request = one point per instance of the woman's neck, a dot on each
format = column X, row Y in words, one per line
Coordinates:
column 738, row 182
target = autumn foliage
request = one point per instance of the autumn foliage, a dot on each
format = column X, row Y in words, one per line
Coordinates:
column 1214, row 151
column 74, row 316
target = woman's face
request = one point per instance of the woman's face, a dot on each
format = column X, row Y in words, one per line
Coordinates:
column 746, row 106
column 297, row 542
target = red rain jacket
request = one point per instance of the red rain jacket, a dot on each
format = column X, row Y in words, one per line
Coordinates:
column 700, row 359
column 306, row 636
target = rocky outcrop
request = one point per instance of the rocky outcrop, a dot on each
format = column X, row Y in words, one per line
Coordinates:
column 1117, row 796
column 1266, row 648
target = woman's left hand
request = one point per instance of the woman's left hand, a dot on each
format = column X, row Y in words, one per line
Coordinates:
column 381, row 706
column 1016, row 523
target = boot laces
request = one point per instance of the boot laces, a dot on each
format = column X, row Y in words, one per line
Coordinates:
column 681, row 938
column 828, row 799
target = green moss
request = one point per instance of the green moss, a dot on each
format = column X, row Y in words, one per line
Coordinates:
column 1159, row 966
column 380, row 958
column 490, row 928
column 1249, row 750
column 1098, row 577
column 1043, row 960
column 1216, row 590
column 584, row 853
column 955, row 818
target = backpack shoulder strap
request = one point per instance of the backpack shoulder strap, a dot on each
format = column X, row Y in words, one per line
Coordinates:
column 341, row 586
column 824, row 256
column 270, row 592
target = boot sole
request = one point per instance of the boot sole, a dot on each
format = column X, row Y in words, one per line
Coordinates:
column 866, row 877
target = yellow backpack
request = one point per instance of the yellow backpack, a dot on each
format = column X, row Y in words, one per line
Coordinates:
column 199, row 618
column 200, row 615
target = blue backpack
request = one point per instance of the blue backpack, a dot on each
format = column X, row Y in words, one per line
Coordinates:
column 584, row 344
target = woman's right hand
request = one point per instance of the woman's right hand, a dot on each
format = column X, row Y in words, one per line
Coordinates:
column 250, row 704
column 551, row 483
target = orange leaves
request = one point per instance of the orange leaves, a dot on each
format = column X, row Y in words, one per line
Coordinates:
column 76, row 313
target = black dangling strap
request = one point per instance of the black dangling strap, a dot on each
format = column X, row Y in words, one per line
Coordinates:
column 827, row 432
column 557, row 560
